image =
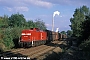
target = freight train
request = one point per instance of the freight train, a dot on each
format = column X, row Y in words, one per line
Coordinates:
column 35, row 37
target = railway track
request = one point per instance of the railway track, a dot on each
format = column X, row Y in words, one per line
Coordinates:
column 47, row 51
column 42, row 51
column 34, row 52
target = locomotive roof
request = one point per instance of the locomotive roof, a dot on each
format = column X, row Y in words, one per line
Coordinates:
column 33, row 29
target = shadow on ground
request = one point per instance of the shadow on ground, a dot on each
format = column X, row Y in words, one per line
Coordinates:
column 62, row 46
column 53, row 56
column 66, row 54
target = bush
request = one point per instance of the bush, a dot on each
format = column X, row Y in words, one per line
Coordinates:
column 11, row 36
column 2, row 47
column 7, row 39
column 16, row 33
column 85, row 47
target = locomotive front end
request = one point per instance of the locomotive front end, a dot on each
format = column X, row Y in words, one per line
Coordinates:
column 25, row 39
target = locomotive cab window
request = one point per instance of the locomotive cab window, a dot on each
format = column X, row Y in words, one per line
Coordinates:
column 31, row 28
column 37, row 29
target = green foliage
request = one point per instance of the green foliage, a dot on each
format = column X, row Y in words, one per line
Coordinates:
column 2, row 47
column 63, row 32
column 78, row 18
column 15, row 32
column 31, row 24
column 85, row 46
column 40, row 24
column 69, row 33
column 80, row 25
column 86, row 28
column 17, row 20
column 4, row 21
column 9, row 35
column 8, row 39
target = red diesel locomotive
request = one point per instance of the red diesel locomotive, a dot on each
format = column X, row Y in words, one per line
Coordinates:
column 35, row 37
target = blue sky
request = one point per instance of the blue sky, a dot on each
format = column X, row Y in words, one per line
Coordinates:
column 44, row 9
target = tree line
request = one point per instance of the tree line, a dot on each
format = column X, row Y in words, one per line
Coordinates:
column 18, row 20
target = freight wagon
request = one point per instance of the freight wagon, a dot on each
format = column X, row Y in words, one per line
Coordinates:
column 51, row 35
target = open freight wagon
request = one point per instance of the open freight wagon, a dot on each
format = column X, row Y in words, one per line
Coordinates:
column 51, row 35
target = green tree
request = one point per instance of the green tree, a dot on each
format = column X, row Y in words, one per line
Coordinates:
column 85, row 45
column 4, row 21
column 30, row 24
column 69, row 33
column 63, row 32
column 86, row 28
column 17, row 20
column 40, row 24
column 78, row 19
column 1, row 22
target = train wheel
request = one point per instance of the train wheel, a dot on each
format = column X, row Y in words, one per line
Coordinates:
column 21, row 44
column 36, row 43
column 42, row 42
column 27, row 45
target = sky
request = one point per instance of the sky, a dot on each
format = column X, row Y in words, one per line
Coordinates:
column 44, row 10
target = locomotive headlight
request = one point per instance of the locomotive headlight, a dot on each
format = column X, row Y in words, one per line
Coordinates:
column 28, row 33
column 23, row 34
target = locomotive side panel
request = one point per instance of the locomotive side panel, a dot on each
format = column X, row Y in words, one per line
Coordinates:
column 39, row 36
column 44, row 36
